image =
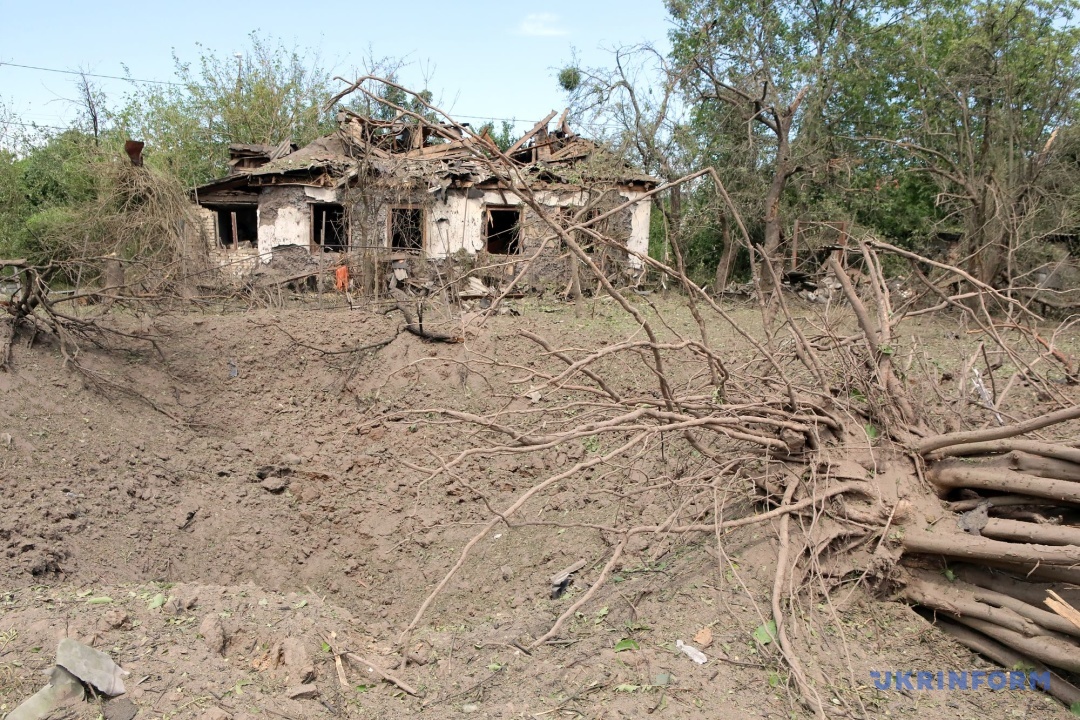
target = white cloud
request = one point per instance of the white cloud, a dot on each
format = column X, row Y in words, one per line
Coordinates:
column 541, row 25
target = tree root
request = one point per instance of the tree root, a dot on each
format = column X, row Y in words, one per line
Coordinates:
column 414, row 321
column 971, row 547
column 1005, row 656
column 1050, row 650
column 929, row 445
column 1029, row 592
column 956, row 600
column 1027, row 532
column 1006, row 481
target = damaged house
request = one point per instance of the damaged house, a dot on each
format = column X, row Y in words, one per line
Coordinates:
column 406, row 192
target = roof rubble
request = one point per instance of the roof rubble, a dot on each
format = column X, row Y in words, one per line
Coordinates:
column 408, row 149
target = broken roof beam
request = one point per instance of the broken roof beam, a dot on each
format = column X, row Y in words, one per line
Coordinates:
column 542, row 125
column 564, row 126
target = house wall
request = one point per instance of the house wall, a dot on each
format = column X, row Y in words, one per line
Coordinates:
column 640, row 222
column 457, row 223
column 285, row 216
column 454, row 225
column 234, row 261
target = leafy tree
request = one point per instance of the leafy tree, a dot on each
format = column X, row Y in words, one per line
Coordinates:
column 503, row 137
column 776, row 66
column 41, row 182
column 268, row 95
column 983, row 100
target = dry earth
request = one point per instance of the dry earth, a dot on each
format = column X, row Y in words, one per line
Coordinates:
column 213, row 544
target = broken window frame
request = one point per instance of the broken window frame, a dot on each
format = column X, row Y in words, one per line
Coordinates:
column 227, row 217
column 422, row 217
column 318, row 237
column 515, row 243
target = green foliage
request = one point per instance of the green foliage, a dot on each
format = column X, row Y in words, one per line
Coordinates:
column 569, row 79
column 40, row 188
column 765, row 633
column 271, row 94
column 503, row 137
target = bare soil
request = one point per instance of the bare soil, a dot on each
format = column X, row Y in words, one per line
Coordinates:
column 258, row 491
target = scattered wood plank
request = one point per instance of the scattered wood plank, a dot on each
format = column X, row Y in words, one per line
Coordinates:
column 1062, row 608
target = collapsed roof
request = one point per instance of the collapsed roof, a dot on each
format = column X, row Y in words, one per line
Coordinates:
column 407, row 149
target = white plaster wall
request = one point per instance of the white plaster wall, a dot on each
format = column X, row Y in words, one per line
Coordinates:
column 322, row 195
column 457, row 224
column 550, row 198
column 291, row 224
column 640, row 215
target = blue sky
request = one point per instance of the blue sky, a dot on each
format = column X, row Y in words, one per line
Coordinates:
column 485, row 59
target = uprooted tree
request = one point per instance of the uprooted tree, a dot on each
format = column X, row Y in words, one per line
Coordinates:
column 826, row 421
column 822, row 423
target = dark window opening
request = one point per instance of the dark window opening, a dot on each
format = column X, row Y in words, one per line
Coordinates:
column 329, row 228
column 237, row 224
column 503, row 231
column 407, row 228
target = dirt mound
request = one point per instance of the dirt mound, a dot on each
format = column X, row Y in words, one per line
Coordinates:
column 266, row 485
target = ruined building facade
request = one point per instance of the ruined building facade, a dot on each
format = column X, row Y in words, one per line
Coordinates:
column 410, row 190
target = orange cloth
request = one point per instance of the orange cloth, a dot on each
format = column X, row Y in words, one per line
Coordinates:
column 341, row 278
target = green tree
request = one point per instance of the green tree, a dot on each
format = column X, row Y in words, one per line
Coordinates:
column 775, row 65
column 983, row 100
column 269, row 94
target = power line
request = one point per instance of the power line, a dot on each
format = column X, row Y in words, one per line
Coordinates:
column 167, row 82
column 35, row 125
column 93, row 75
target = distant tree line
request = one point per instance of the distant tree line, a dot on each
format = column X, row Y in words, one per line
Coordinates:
column 928, row 123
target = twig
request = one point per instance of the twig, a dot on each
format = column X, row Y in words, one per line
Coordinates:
column 372, row 667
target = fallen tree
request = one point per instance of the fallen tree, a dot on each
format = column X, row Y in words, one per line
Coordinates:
column 830, row 431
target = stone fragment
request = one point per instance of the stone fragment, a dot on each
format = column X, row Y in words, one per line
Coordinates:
column 213, row 633
column 302, row 692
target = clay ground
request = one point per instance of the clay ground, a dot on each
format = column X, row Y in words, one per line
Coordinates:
column 152, row 534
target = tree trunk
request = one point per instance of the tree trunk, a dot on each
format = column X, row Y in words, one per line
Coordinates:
column 727, row 258
column 770, row 269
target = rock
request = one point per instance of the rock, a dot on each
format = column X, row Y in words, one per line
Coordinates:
column 120, row 709
column 213, row 634
column 291, row 459
column 470, row 708
column 302, row 692
column 297, row 660
column 507, row 572
column 274, row 485
column 117, row 619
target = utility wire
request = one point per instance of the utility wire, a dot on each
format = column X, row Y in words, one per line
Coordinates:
column 93, row 75
column 34, row 124
column 167, row 82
